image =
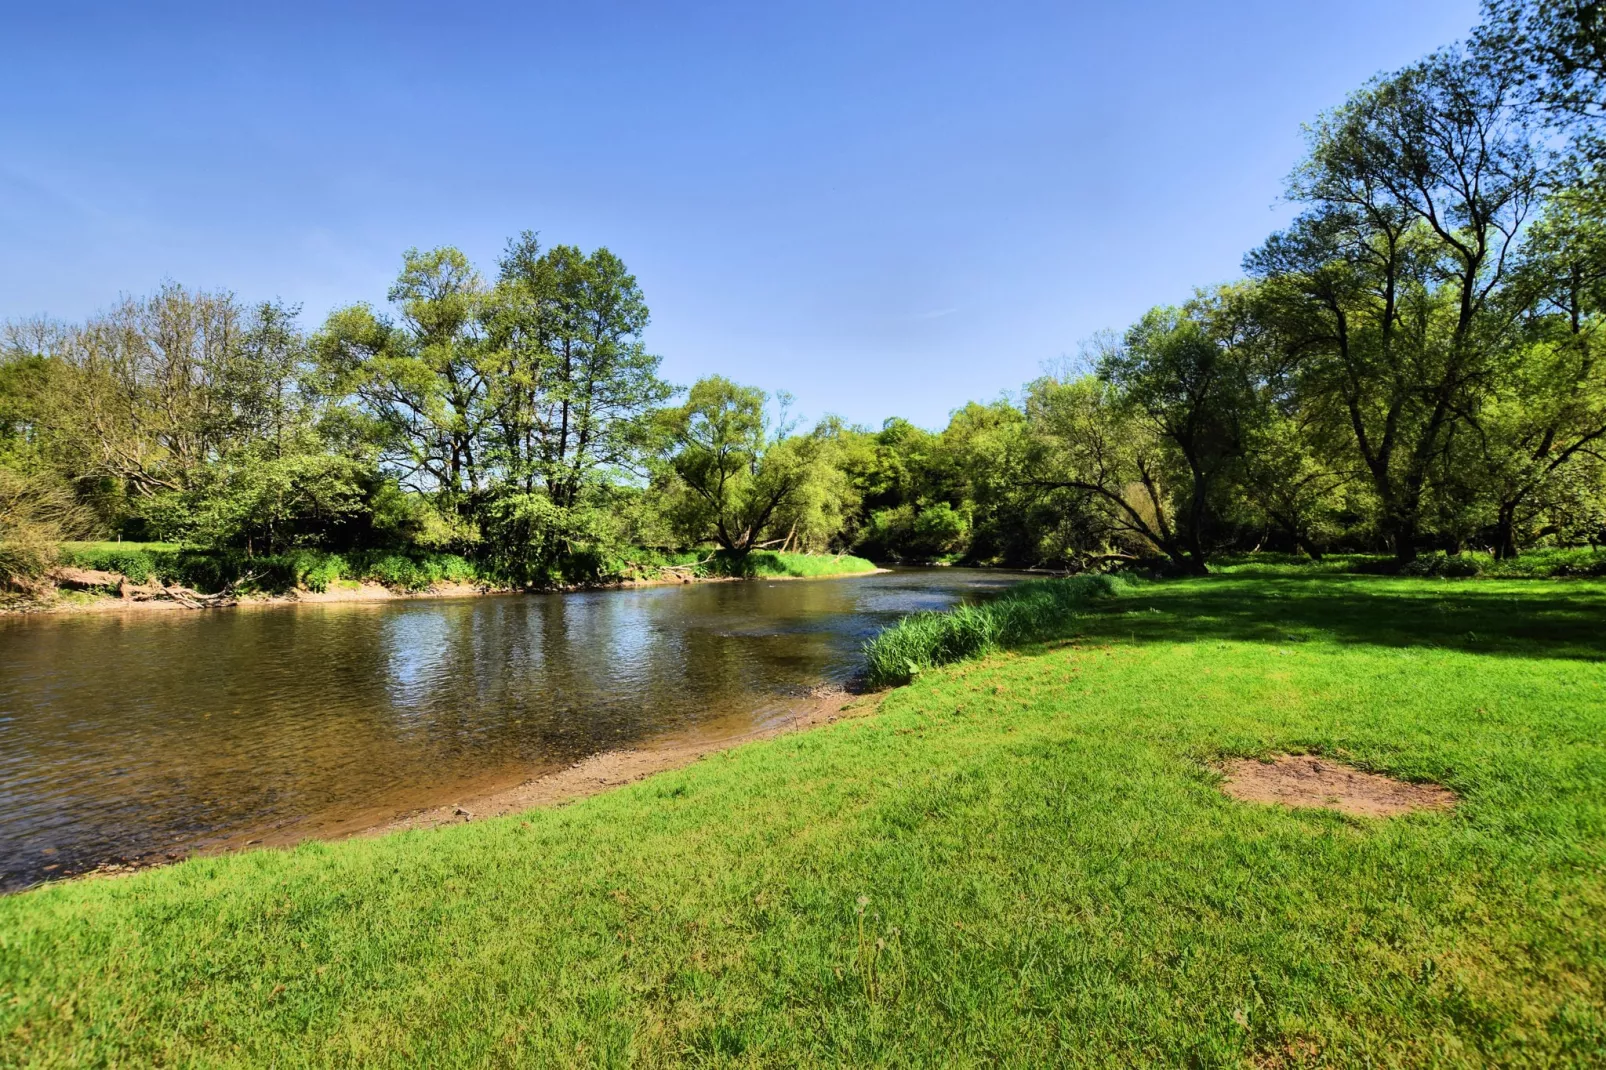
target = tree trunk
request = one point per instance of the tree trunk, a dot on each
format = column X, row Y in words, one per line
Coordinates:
column 1505, row 545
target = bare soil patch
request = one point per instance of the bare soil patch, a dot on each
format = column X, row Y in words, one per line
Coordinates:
column 1311, row 780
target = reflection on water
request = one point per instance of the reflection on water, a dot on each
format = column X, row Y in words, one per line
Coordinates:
column 124, row 735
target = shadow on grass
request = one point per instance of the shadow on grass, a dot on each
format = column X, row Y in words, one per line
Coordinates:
column 1543, row 619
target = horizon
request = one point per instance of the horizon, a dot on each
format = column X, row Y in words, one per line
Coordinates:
column 926, row 209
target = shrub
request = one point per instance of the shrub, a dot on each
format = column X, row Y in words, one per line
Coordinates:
column 134, row 560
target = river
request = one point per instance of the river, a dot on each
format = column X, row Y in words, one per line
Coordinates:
column 128, row 736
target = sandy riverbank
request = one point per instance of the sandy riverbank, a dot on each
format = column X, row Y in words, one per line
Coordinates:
column 616, row 768
column 591, row 776
column 76, row 602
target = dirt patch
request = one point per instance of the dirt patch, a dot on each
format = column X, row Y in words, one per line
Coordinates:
column 1311, row 780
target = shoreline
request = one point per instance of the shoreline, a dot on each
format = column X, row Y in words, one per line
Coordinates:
column 611, row 769
column 593, row 775
column 374, row 593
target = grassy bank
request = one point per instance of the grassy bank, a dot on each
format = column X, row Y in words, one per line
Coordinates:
column 317, row 570
column 1020, row 860
column 1026, row 613
column 309, row 570
column 755, row 565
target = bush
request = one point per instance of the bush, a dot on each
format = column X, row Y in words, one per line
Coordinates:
column 414, row 572
column 1439, row 563
column 1556, row 562
column 27, row 552
column 320, row 574
column 1028, row 612
column 135, row 560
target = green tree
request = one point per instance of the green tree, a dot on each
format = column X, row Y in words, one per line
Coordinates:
column 1087, row 439
column 736, row 467
column 1387, row 286
column 420, row 382
column 1555, row 49
column 1184, row 374
column 569, row 400
column 1547, row 413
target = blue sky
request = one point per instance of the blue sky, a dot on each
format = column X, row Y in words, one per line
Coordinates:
column 883, row 208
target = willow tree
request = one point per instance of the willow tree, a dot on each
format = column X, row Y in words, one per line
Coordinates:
column 1388, row 286
column 732, row 467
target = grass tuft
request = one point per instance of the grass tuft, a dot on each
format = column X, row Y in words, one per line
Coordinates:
column 1027, row 613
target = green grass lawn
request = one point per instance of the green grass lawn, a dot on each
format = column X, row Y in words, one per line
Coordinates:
column 1046, row 870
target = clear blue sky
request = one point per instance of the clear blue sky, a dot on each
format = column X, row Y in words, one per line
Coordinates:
column 884, row 208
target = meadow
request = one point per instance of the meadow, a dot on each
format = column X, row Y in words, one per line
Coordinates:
column 1022, row 858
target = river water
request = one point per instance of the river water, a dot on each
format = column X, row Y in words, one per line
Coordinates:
column 125, row 736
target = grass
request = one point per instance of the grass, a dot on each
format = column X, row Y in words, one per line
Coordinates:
column 1025, row 613
column 648, row 564
column 1545, row 563
column 1021, row 860
column 798, row 566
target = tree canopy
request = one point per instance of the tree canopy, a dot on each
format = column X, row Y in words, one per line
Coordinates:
column 1410, row 366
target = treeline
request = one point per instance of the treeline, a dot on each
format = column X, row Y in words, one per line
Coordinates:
column 1411, row 366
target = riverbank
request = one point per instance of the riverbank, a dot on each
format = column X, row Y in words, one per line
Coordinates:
column 1023, row 859
column 97, row 583
column 591, row 776
column 617, row 768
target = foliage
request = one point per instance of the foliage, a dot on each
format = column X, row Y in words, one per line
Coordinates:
column 733, row 472
column 796, row 566
column 1410, row 367
column 35, row 514
column 210, row 570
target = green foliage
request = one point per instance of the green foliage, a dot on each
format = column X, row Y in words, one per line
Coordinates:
column 1026, row 613
column 734, row 474
column 35, row 513
column 137, row 561
column 770, row 563
column 266, row 502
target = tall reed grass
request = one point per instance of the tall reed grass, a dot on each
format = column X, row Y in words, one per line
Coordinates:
column 1032, row 611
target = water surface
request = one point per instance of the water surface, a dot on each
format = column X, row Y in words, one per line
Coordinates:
column 128, row 735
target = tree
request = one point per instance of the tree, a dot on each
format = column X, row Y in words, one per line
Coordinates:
column 421, row 383
column 1086, row 438
column 1386, row 288
column 569, row 397
column 1548, row 413
column 738, row 467
column 1184, row 373
column 1555, row 48
column 1291, row 475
